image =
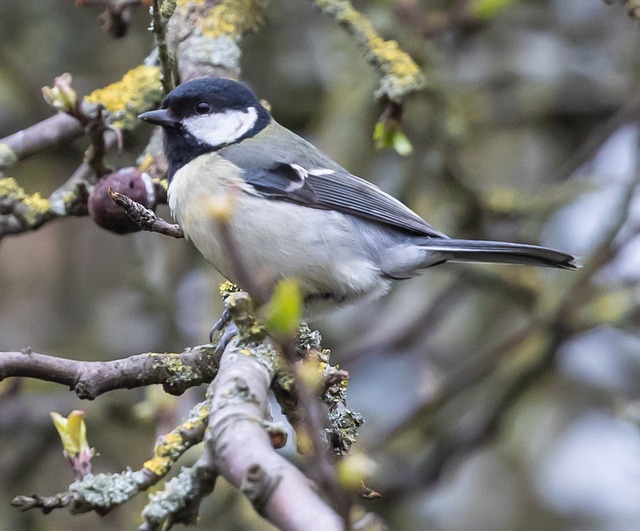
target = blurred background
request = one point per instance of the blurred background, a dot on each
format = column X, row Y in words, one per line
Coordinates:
column 495, row 398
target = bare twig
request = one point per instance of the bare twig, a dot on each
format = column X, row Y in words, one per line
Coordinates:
column 160, row 17
column 145, row 217
column 89, row 379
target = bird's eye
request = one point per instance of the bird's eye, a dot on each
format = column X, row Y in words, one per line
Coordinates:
column 202, row 107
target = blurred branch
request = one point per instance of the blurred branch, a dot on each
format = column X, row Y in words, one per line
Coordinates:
column 311, row 428
column 88, row 379
column 462, row 380
column 455, row 443
column 53, row 131
column 434, row 22
column 557, row 317
column 632, row 7
column 20, row 212
column 400, row 74
column 116, row 16
column 574, row 291
column 629, row 112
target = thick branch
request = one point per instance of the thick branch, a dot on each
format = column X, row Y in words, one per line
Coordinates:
column 89, row 379
column 244, row 454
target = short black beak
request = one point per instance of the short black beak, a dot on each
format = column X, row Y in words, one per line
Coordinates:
column 159, row 117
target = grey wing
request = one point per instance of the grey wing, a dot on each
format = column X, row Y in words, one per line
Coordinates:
column 336, row 190
column 282, row 166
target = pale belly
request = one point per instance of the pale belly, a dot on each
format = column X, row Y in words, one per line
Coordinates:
column 274, row 239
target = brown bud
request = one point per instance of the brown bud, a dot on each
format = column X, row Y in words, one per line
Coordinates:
column 128, row 181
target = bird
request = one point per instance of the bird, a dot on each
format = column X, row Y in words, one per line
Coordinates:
column 294, row 212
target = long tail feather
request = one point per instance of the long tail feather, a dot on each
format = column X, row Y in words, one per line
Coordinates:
column 501, row 252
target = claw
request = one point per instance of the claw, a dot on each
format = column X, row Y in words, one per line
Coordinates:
column 220, row 324
column 229, row 333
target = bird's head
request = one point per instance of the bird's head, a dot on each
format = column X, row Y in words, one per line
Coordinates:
column 205, row 115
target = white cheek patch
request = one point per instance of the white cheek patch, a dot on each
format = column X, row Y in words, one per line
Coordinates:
column 223, row 127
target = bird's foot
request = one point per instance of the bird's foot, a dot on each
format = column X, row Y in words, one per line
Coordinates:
column 225, row 318
column 230, row 331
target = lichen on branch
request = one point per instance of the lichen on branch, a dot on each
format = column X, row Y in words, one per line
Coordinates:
column 401, row 76
column 233, row 18
column 139, row 90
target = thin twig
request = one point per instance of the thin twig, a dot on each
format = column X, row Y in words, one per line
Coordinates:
column 164, row 57
column 145, row 217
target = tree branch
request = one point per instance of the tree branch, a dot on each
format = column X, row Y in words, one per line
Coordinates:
column 243, row 451
column 400, row 74
column 89, row 379
column 53, row 131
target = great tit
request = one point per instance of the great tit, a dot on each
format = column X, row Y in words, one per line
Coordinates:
column 294, row 212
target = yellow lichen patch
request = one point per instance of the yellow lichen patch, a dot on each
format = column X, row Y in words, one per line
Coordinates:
column 178, row 368
column 9, row 188
column 175, row 443
column 202, row 415
column 158, row 465
column 232, row 18
column 37, row 206
column 137, row 91
column 170, row 442
column 184, row 3
column 227, row 288
column 34, row 207
column 398, row 62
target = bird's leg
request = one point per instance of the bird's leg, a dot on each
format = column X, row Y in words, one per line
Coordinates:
column 230, row 331
column 225, row 318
